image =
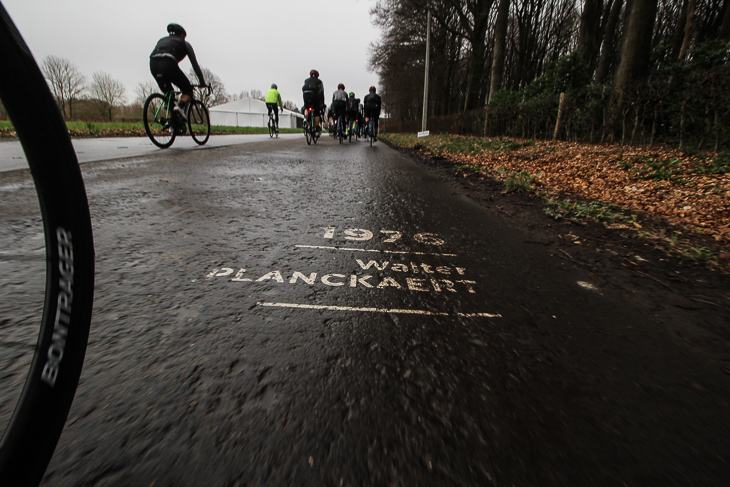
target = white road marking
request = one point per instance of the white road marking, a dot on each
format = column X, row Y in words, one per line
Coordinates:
column 348, row 249
column 376, row 310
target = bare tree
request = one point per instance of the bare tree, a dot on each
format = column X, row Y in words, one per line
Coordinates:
column 144, row 90
column 65, row 80
column 724, row 32
column 257, row 95
column 289, row 105
column 107, row 93
column 242, row 94
column 218, row 94
column 500, row 40
column 590, row 33
column 608, row 48
column 634, row 58
column 688, row 27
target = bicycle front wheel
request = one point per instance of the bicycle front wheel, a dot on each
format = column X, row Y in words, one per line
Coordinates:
column 199, row 122
column 158, row 123
column 45, row 323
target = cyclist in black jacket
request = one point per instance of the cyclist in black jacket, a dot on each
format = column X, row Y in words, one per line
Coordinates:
column 164, row 60
column 372, row 104
column 313, row 94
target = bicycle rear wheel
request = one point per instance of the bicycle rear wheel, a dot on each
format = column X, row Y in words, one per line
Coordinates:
column 271, row 128
column 41, row 357
column 308, row 134
column 157, row 117
column 199, row 122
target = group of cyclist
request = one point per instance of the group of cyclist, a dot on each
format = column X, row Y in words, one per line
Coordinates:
column 345, row 113
column 172, row 49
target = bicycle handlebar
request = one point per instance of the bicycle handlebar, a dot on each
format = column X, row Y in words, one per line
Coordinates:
column 208, row 86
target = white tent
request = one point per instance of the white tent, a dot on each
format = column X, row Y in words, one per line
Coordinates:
column 249, row 112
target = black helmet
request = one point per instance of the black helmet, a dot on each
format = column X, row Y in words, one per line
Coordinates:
column 176, row 29
column 273, row 86
column 314, row 73
column 372, row 89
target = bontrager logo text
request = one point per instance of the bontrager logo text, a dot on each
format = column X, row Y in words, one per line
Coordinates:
column 63, row 310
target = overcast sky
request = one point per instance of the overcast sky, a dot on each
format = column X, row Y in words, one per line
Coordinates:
column 247, row 44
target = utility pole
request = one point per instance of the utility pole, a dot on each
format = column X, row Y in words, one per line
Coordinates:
column 425, row 80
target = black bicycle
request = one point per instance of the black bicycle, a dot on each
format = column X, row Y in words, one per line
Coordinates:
column 162, row 122
column 370, row 130
column 273, row 128
column 43, row 329
column 310, row 126
column 353, row 129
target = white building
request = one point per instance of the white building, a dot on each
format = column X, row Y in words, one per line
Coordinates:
column 249, row 112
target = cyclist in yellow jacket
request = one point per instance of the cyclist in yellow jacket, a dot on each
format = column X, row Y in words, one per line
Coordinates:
column 273, row 102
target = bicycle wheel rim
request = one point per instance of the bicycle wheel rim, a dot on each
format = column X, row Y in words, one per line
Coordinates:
column 199, row 122
column 41, row 411
column 156, row 121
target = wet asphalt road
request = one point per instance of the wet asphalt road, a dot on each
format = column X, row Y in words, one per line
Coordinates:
column 278, row 314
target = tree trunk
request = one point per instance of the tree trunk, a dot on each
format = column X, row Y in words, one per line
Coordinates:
column 61, row 106
column 654, row 125
column 708, row 127
column 476, row 63
column 635, row 51
column 687, row 29
column 561, row 107
column 636, row 124
column 486, row 119
column 682, row 123
column 500, row 40
column 724, row 33
column 608, row 50
column 589, row 36
column 717, row 129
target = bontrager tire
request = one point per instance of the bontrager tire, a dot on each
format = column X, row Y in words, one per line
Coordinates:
column 58, row 354
column 199, row 122
column 157, row 118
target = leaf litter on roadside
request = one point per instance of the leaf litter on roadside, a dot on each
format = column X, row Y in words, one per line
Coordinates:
column 686, row 190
